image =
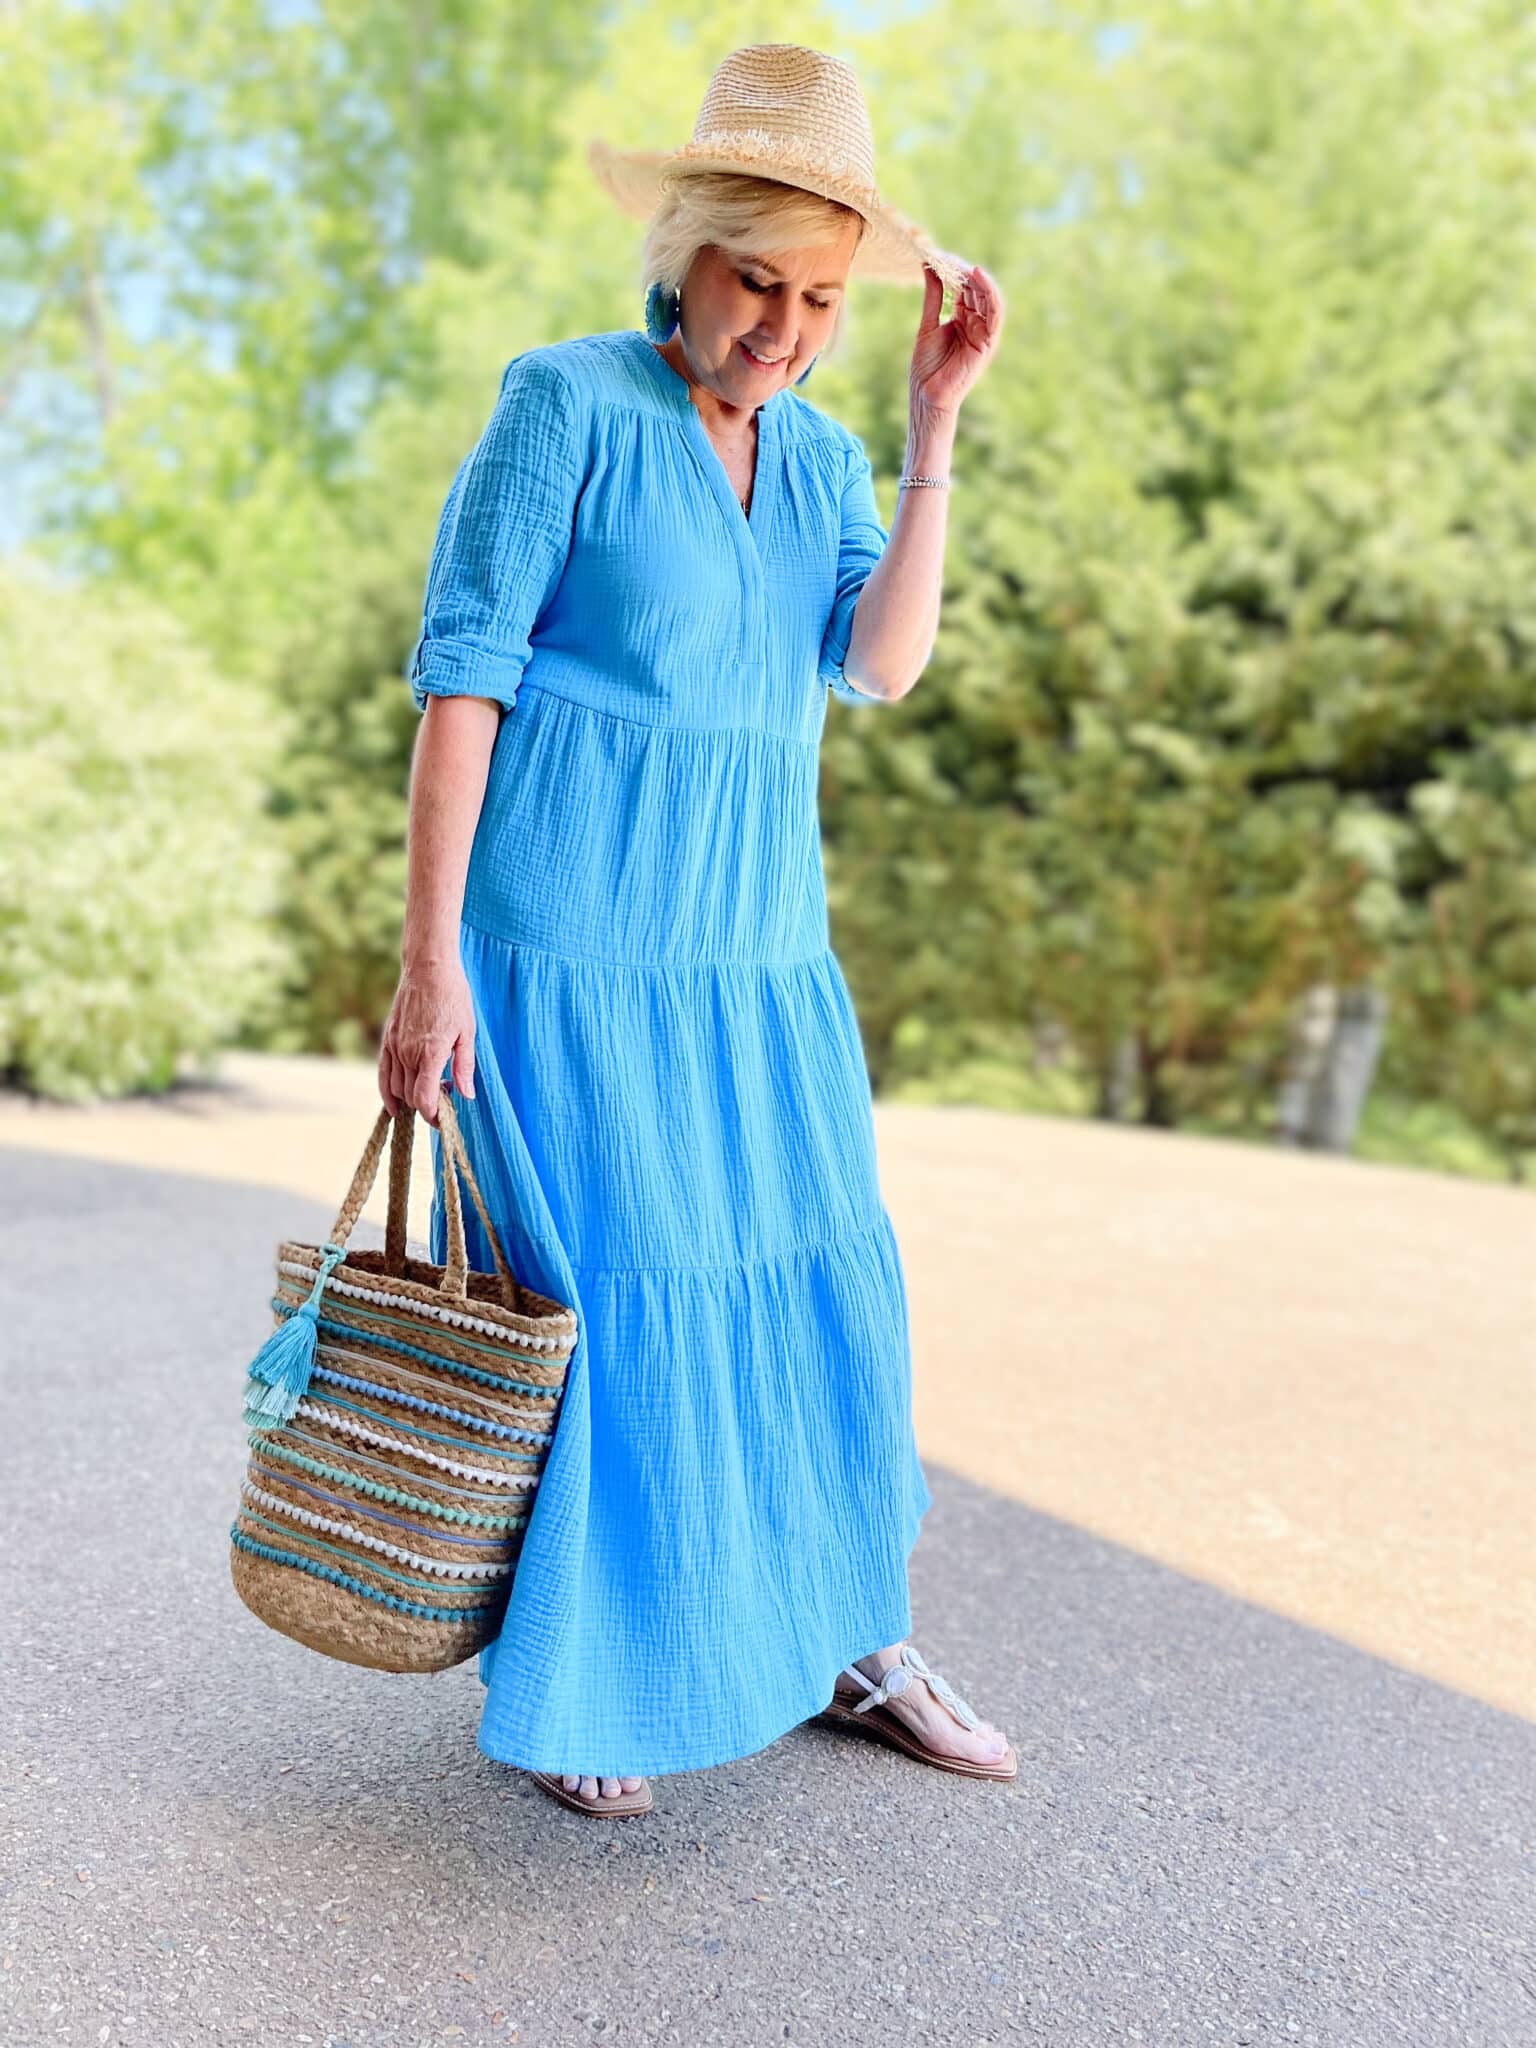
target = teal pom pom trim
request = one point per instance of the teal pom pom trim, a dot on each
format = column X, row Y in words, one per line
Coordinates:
column 279, row 1373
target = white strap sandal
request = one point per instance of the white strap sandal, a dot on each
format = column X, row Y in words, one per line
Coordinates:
column 872, row 1713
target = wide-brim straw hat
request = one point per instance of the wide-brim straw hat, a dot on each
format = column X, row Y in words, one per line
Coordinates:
column 779, row 110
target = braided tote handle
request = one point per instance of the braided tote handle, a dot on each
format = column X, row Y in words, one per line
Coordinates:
column 455, row 1149
column 400, row 1131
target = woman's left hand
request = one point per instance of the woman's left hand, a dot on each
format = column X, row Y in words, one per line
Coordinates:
column 950, row 355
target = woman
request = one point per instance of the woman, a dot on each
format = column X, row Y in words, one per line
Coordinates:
column 650, row 569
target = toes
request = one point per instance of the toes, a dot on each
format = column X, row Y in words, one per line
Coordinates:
column 991, row 1743
column 598, row 1788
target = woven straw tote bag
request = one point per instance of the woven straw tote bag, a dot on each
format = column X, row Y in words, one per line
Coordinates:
column 399, row 1418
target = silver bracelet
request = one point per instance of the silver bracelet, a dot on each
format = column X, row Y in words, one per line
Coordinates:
column 940, row 483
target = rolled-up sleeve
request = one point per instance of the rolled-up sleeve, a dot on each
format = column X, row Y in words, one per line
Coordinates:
column 502, row 540
column 861, row 543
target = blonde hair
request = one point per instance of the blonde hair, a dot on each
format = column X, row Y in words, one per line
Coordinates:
column 743, row 217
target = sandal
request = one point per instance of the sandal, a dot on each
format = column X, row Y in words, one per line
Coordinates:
column 624, row 1807
column 847, row 1710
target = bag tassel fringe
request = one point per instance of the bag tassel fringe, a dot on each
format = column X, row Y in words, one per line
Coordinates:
column 280, row 1372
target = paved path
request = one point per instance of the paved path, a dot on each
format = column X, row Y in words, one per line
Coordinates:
column 1278, row 1764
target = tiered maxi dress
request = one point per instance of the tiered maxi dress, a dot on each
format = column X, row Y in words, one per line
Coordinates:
column 672, row 1121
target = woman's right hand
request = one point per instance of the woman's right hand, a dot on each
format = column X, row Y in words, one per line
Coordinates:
column 433, row 1015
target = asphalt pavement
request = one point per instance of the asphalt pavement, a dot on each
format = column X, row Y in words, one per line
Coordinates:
column 1228, row 1828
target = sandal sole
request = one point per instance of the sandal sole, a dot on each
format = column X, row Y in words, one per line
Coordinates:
column 628, row 1805
column 883, row 1726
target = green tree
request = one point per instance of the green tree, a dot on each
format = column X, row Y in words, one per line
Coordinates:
column 1241, row 539
column 139, row 872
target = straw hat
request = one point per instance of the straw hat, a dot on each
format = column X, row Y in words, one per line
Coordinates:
column 778, row 110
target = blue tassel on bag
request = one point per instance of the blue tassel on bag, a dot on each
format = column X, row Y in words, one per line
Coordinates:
column 279, row 1373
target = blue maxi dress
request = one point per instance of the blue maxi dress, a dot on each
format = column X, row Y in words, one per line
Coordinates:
column 672, row 1122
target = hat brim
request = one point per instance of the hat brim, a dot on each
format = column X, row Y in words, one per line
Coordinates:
column 892, row 249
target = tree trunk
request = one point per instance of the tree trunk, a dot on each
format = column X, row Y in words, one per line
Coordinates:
column 1333, row 1059
column 1352, row 1061
column 1306, row 1064
column 1157, row 1108
column 1117, row 1082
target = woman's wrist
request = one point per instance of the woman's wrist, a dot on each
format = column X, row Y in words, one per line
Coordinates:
column 429, row 954
column 930, row 443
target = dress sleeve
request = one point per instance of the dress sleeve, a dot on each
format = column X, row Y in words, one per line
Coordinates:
column 861, row 543
column 502, row 540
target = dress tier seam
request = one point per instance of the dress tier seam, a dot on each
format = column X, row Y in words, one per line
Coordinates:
column 693, row 964
column 533, row 688
column 785, row 1253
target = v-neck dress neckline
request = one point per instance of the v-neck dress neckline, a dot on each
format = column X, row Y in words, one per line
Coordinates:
column 752, row 525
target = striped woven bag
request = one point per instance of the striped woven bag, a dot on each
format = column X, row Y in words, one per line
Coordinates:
column 399, row 1418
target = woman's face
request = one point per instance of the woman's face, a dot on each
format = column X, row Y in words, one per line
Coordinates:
column 780, row 307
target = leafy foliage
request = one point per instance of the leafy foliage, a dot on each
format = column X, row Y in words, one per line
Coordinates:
column 140, row 871
column 1238, row 584
column 1234, row 691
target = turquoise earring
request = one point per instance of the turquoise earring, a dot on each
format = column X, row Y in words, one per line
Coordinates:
column 663, row 306
column 806, row 371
